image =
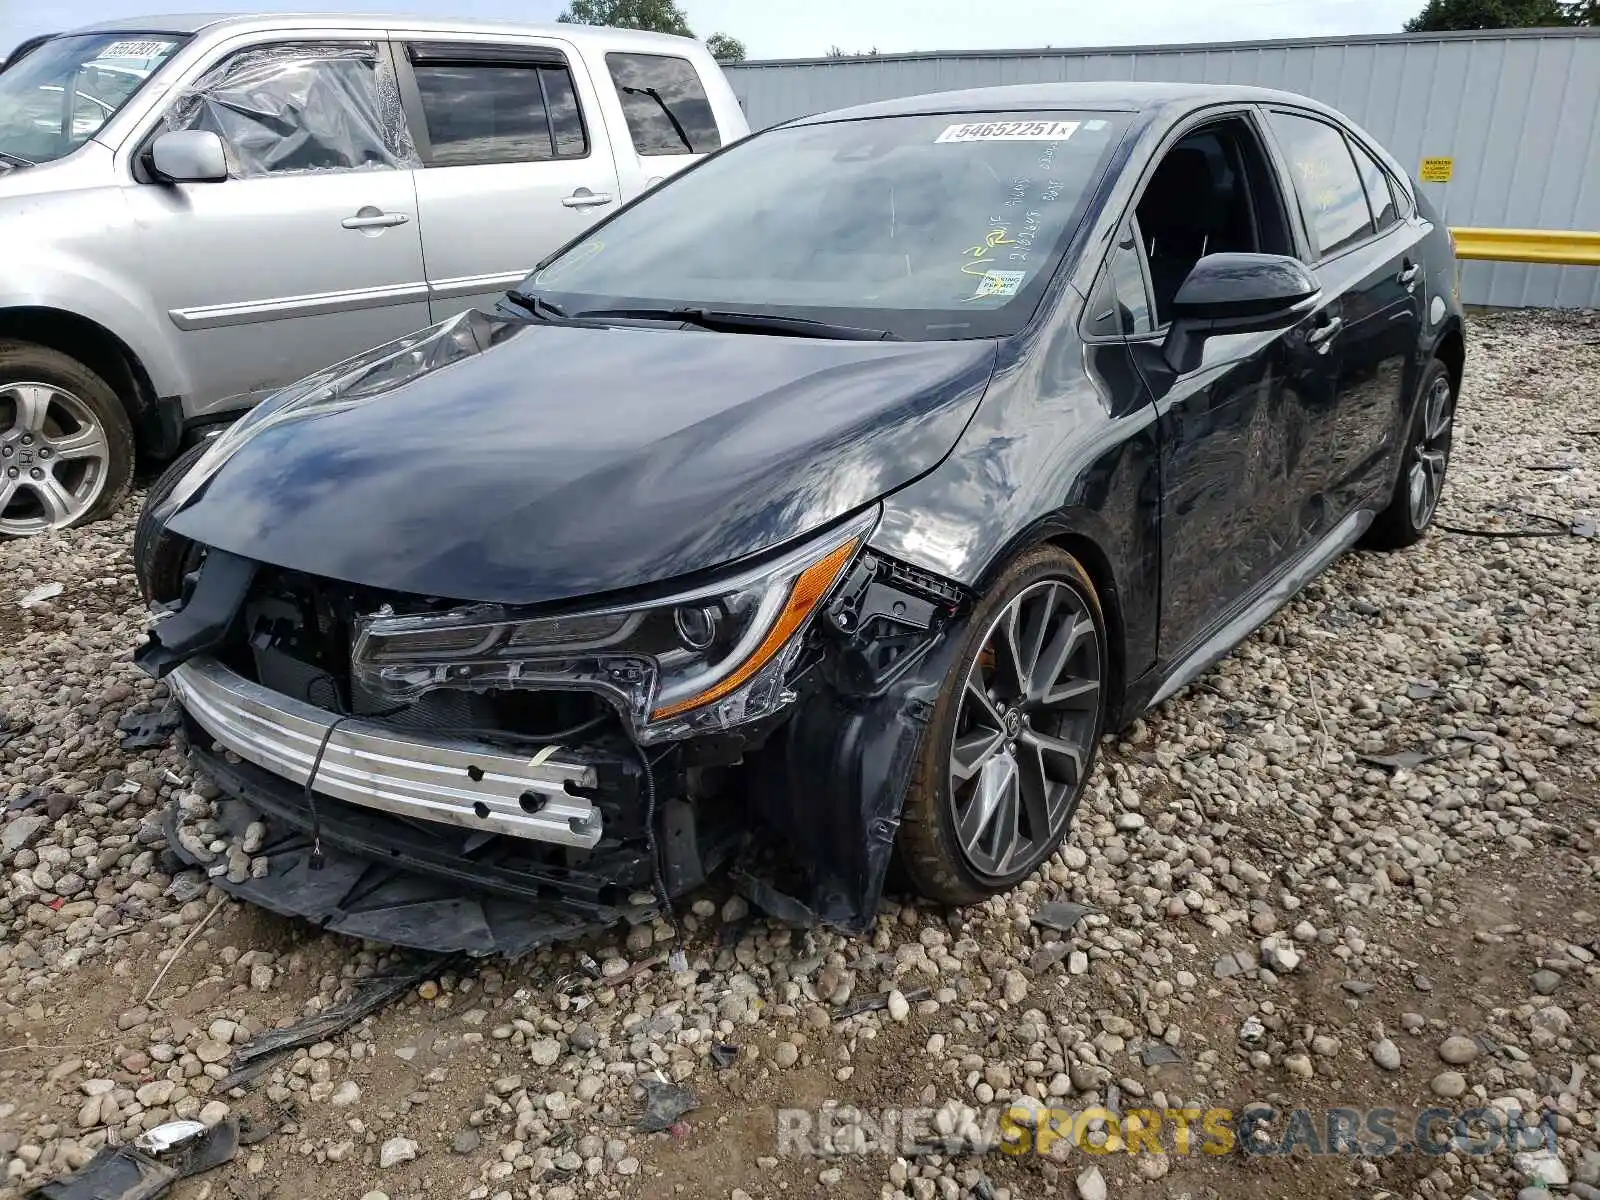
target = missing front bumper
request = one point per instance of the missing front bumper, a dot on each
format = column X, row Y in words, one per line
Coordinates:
column 471, row 786
column 386, row 879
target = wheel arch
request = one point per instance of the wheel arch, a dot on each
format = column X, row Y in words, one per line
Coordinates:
column 1451, row 349
column 98, row 349
column 1077, row 533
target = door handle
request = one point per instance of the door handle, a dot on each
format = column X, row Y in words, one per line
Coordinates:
column 380, row 220
column 1408, row 273
column 584, row 198
column 1322, row 336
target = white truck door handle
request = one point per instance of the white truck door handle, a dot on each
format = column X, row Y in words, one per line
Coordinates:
column 371, row 218
column 584, row 198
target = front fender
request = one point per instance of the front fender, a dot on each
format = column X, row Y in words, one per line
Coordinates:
column 62, row 254
column 839, row 788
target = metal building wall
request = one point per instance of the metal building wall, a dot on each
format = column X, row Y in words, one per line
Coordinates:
column 1518, row 110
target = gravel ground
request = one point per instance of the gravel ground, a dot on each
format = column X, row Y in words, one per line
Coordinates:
column 1280, row 918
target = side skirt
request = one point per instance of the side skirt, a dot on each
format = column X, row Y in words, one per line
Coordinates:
column 1255, row 614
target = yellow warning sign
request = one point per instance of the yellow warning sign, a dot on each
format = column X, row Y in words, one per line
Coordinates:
column 1438, row 170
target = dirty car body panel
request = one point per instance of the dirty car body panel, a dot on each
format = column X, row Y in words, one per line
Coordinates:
column 710, row 575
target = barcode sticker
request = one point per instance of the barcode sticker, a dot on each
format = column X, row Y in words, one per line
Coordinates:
column 1009, row 131
column 147, row 49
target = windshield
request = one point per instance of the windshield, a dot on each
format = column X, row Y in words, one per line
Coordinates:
column 60, row 94
column 929, row 227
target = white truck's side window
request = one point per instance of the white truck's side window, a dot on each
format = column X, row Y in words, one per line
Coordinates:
column 515, row 161
column 665, row 104
column 497, row 112
column 300, row 107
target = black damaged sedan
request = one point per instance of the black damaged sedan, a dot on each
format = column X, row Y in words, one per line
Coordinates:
column 816, row 513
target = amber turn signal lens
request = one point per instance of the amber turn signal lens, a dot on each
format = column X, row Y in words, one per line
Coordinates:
column 814, row 583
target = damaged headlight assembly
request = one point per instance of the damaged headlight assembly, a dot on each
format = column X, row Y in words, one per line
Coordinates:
column 702, row 661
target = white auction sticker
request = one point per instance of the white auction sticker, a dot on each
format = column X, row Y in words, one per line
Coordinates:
column 135, row 49
column 1009, row 131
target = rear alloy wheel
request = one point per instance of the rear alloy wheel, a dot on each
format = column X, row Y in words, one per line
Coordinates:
column 1430, row 454
column 66, row 446
column 1013, row 737
column 1427, row 457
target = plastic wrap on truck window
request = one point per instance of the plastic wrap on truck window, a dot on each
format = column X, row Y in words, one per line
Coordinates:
column 307, row 107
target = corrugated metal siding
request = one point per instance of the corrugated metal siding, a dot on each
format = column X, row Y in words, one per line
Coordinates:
column 1518, row 111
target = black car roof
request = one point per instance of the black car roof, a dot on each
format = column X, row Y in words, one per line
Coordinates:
column 1105, row 95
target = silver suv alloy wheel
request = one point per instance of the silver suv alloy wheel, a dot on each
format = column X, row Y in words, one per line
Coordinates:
column 54, row 458
column 1025, row 729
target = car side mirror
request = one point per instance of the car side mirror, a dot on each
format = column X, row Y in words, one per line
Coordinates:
column 189, row 156
column 1237, row 293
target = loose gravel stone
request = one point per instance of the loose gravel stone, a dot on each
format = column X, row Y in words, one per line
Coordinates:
column 1386, row 1054
column 396, row 1151
column 1449, row 1084
column 1458, row 1050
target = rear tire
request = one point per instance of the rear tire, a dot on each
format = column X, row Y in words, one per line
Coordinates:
column 66, row 443
column 161, row 558
column 1012, row 741
column 1424, row 459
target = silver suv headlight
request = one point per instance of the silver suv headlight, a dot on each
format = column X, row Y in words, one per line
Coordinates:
column 698, row 662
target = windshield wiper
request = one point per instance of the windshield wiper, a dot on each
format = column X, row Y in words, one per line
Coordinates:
column 729, row 321
column 15, row 160
column 545, row 310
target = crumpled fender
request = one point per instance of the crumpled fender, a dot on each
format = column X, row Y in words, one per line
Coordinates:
column 850, row 749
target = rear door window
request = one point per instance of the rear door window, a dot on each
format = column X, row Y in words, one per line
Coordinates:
column 1325, row 177
column 665, row 104
column 479, row 108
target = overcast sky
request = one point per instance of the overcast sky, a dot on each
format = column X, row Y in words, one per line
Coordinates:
column 800, row 28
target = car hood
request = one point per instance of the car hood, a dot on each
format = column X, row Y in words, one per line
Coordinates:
column 500, row 460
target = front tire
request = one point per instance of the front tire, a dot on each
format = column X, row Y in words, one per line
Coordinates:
column 1424, row 460
column 1012, row 741
column 66, row 444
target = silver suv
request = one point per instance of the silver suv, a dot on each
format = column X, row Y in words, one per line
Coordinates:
column 196, row 210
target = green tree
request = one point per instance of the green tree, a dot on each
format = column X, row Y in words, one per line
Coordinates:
column 725, row 48
column 659, row 16
column 837, row 51
column 1502, row 14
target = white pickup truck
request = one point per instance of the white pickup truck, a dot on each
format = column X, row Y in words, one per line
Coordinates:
column 197, row 210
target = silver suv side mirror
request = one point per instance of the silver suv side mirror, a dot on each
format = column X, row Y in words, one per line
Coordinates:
column 189, row 156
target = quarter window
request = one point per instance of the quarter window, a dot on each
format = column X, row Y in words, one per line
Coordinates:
column 1331, row 195
column 499, row 112
column 1380, row 191
column 665, row 104
column 1120, row 304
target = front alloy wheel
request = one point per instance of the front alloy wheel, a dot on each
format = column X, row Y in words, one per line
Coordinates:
column 53, row 458
column 1015, row 730
column 66, row 444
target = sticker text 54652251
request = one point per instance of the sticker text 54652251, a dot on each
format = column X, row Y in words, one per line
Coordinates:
column 1009, row 131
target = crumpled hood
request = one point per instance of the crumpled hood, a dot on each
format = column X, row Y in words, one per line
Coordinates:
column 511, row 462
